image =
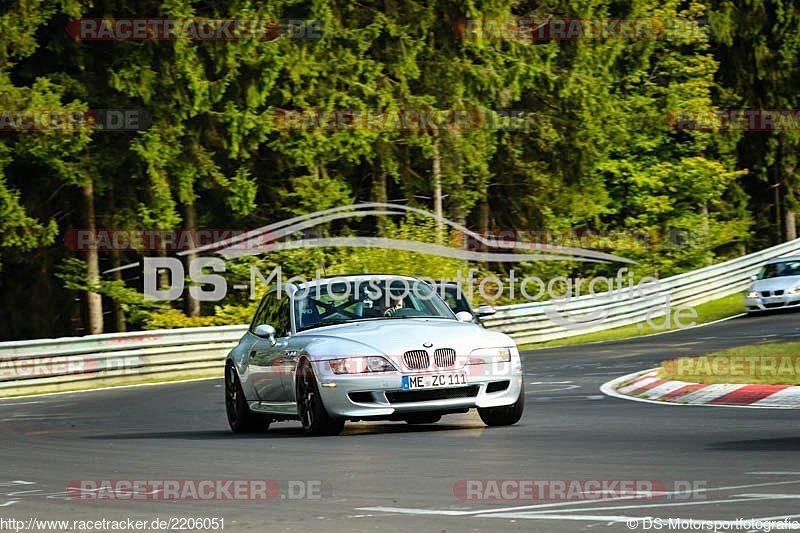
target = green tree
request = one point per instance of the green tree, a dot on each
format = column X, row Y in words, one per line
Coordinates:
column 758, row 44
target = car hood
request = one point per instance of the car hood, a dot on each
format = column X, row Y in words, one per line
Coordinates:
column 772, row 284
column 396, row 336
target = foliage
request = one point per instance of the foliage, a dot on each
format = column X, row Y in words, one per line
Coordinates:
column 596, row 152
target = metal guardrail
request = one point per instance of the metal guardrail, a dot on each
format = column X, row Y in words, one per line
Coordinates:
column 45, row 365
column 557, row 319
column 49, row 365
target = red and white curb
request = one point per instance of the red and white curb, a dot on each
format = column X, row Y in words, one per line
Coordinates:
column 646, row 386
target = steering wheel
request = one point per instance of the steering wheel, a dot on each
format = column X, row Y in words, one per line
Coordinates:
column 403, row 311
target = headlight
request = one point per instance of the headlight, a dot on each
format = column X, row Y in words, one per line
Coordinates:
column 361, row 365
column 489, row 355
column 753, row 294
column 795, row 290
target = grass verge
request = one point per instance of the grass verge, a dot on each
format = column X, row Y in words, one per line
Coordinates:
column 775, row 364
column 707, row 312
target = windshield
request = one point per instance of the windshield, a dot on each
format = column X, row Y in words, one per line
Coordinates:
column 366, row 299
column 778, row 270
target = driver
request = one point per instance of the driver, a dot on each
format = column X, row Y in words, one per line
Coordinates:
column 391, row 310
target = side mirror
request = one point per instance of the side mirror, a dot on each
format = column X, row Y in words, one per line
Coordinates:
column 265, row 331
column 753, row 277
column 485, row 310
column 464, row 316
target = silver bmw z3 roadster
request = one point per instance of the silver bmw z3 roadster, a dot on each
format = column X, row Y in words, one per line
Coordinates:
column 367, row 348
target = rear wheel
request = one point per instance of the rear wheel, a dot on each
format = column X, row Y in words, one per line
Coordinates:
column 312, row 412
column 506, row 415
column 423, row 419
column 240, row 418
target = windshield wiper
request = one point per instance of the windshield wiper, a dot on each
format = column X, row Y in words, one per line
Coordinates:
column 326, row 323
column 417, row 316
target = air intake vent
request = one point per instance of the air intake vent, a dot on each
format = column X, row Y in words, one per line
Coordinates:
column 444, row 357
column 416, row 359
column 497, row 386
column 431, row 395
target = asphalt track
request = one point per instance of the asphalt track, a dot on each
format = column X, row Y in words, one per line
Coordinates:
column 742, row 463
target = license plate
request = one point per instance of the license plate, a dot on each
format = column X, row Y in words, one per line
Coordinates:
column 434, row 381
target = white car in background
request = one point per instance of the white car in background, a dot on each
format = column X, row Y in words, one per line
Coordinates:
column 776, row 286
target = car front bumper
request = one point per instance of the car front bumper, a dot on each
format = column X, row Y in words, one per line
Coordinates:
column 770, row 303
column 381, row 395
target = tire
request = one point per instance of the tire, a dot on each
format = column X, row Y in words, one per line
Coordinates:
column 506, row 415
column 310, row 408
column 240, row 418
column 423, row 419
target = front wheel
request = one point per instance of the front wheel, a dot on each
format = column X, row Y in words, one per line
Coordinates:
column 506, row 415
column 240, row 418
column 312, row 412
